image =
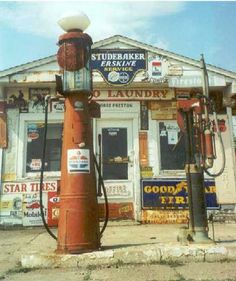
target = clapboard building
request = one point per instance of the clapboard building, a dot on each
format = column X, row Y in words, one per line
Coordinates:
column 141, row 149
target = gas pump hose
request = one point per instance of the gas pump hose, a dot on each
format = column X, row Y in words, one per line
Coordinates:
column 42, row 177
column 221, row 170
column 43, row 167
column 101, row 181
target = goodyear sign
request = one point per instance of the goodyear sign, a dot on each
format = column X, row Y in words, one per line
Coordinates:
column 173, row 194
column 118, row 67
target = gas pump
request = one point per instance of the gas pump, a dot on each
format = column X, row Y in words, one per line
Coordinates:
column 78, row 227
column 194, row 121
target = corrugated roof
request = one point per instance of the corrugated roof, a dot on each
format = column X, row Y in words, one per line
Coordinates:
column 129, row 41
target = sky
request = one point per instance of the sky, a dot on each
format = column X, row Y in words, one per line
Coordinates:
column 29, row 29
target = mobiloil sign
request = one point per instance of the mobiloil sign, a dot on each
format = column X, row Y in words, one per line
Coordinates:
column 118, row 67
column 172, row 194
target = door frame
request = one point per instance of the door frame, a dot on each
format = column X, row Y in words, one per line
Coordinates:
column 134, row 117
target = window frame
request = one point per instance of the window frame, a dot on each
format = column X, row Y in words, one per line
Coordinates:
column 26, row 118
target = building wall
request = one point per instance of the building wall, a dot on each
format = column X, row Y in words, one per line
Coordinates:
column 143, row 107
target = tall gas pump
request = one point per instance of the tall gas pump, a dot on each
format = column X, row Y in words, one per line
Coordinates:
column 199, row 130
column 78, row 227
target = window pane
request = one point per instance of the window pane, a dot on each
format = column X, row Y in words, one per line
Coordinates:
column 172, row 146
column 114, row 148
column 35, row 134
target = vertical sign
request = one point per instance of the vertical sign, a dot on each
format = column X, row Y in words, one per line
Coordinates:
column 144, row 115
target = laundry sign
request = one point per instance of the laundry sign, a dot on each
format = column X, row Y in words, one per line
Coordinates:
column 118, row 67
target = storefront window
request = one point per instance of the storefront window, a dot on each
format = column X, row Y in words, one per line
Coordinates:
column 35, row 135
column 171, row 144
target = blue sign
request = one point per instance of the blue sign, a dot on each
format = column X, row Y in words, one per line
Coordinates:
column 119, row 66
column 173, row 194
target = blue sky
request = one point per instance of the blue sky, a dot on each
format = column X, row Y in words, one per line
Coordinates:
column 29, row 30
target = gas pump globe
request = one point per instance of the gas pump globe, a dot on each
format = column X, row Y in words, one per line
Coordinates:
column 74, row 54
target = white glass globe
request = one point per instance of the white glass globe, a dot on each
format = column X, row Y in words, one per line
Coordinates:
column 77, row 21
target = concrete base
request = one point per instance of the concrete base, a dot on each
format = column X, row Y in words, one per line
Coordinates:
column 186, row 237
column 130, row 255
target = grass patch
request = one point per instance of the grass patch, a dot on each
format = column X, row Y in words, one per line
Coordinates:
column 169, row 263
column 20, row 270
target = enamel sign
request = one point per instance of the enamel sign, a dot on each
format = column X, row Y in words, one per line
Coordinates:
column 118, row 67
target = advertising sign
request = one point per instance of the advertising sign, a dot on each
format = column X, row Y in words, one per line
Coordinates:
column 172, row 194
column 11, row 208
column 27, row 187
column 53, row 208
column 119, row 66
column 31, row 209
column 78, row 161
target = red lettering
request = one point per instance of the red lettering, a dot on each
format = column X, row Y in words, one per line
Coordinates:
column 6, row 188
column 33, row 187
column 54, row 185
column 47, row 186
column 23, row 187
column 17, row 188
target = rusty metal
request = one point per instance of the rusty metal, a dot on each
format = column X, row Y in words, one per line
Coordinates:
column 72, row 54
column 78, row 226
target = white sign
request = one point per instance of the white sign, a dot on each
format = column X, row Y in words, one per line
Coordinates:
column 58, row 106
column 78, row 161
column 195, row 81
column 11, row 209
column 119, row 189
column 172, row 137
column 119, row 106
column 31, row 209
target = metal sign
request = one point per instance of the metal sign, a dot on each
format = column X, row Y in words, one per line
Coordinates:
column 172, row 194
column 118, row 67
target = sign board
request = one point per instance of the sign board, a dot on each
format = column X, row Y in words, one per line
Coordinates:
column 78, row 161
column 53, row 208
column 195, row 81
column 118, row 66
column 134, row 94
column 31, row 209
column 125, row 106
column 27, row 187
column 119, row 189
column 172, row 194
column 11, row 209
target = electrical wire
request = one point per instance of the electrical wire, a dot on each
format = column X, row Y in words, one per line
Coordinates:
column 42, row 169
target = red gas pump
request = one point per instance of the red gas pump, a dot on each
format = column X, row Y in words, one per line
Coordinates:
column 78, row 227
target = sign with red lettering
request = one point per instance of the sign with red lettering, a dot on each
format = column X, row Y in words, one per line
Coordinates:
column 31, row 209
column 27, row 187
